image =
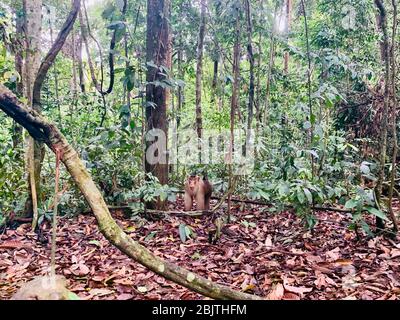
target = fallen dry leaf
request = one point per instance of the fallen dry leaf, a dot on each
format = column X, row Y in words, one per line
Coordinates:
column 276, row 293
column 333, row 255
column 299, row 290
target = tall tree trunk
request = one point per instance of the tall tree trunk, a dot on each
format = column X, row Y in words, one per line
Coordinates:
column 310, row 106
column 380, row 225
column 35, row 150
column 74, row 75
column 19, row 65
column 127, row 94
column 180, row 89
column 394, row 116
column 258, row 85
column 287, row 27
column 234, row 106
column 251, row 61
column 270, row 64
column 56, row 91
column 33, row 30
column 181, row 99
column 158, row 50
column 199, row 71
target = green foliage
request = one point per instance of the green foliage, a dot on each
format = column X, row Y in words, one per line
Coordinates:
column 186, row 232
column 152, row 189
column 291, row 168
column 12, row 172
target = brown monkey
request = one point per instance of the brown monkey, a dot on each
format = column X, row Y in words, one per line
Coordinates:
column 200, row 189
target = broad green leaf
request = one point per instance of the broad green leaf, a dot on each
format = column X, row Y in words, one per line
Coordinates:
column 366, row 228
column 283, row 189
column 263, row 194
column 377, row 213
column 351, row 204
column 300, row 196
column 308, row 195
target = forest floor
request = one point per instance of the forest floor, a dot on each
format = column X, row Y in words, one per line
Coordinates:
column 260, row 252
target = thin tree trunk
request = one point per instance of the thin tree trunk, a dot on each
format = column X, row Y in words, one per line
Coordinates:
column 270, row 65
column 394, row 117
column 74, row 75
column 34, row 153
column 215, row 75
column 127, row 94
column 179, row 107
column 234, row 106
column 180, row 89
column 287, row 27
column 258, row 97
column 258, row 85
column 80, row 64
column 56, row 75
column 380, row 225
column 19, row 65
column 199, row 71
column 251, row 61
column 310, row 107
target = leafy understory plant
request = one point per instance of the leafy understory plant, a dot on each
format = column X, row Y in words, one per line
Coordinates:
column 363, row 201
column 149, row 191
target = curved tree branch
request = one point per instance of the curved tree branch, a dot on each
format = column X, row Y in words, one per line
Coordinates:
column 54, row 50
column 48, row 133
